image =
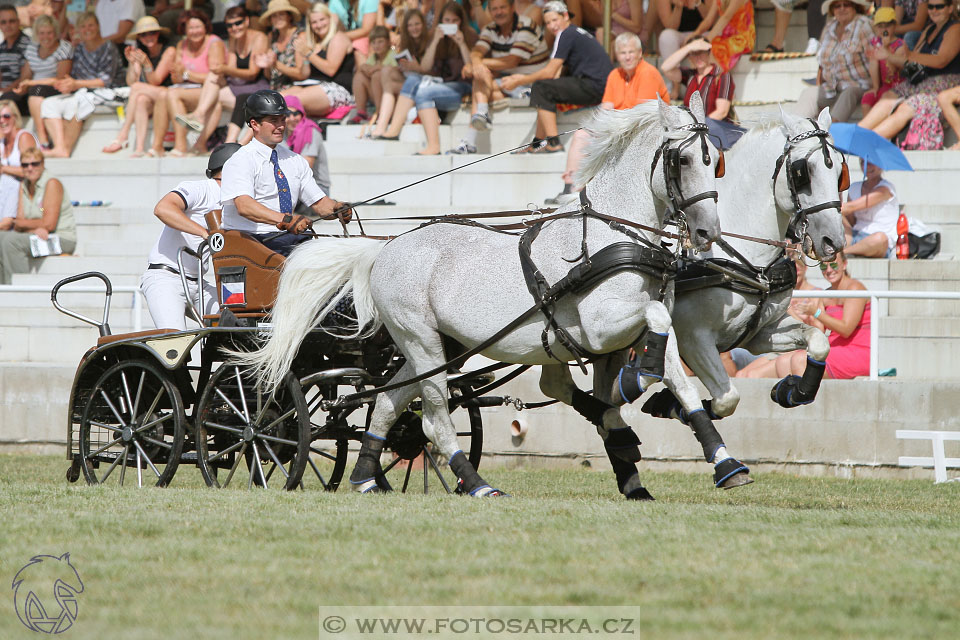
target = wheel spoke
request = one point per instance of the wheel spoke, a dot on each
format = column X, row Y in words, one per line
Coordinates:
column 139, row 469
column 222, row 427
column 280, row 419
column 146, row 457
column 235, row 464
column 103, row 448
column 316, row 471
column 277, row 440
column 229, row 449
column 113, row 465
column 116, row 414
column 105, row 426
column 406, row 477
column 243, row 395
column 436, row 469
column 123, row 467
column 392, row 464
column 276, row 460
column 323, row 454
column 154, row 423
column 153, row 405
column 159, row 443
column 136, row 400
column 230, row 404
column 125, row 387
column 259, row 466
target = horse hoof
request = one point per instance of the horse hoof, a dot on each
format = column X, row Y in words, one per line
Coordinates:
column 367, row 486
column 640, row 493
column 486, row 491
column 731, row 473
column 736, row 480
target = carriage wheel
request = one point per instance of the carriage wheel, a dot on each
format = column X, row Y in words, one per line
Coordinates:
column 411, row 461
column 247, row 436
column 133, row 419
column 329, row 441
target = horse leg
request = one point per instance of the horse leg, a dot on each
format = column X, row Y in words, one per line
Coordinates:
column 787, row 335
column 367, row 475
column 619, row 441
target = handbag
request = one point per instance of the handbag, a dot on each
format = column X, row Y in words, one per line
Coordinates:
column 924, row 247
column 914, row 72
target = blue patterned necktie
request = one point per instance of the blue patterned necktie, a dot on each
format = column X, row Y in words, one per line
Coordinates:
column 283, row 187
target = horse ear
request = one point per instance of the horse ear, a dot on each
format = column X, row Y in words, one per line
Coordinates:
column 667, row 117
column 696, row 107
column 824, row 119
column 790, row 122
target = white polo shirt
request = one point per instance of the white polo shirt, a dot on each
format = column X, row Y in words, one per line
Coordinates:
column 200, row 197
column 111, row 12
column 249, row 172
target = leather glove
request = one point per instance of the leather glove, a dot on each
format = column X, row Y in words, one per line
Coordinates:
column 295, row 224
column 345, row 215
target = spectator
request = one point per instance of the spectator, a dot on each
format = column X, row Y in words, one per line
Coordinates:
column 168, row 13
column 43, row 208
column 912, row 16
column 150, row 62
column 329, row 75
column 849, row 326
column 844, row 74
column 237, row 76
column 800, row 307
column 303, row 136
column 48, row 59
column 357, row 19
column 937, row 55
column 715, row 86
column 948, row 100
column 29, row 12
column 58, row 11
column 884, row 74
column 14, row 140
column 197, row 53
column 95, row 64
column 282, row 63
column 681, row 20
column 509, row 44
column 783, row 9
column 414, row 39
column 117, row 18
column 732, row 31
column 626, row 16
column 12, row 56
column 587, row 64
column 635, row 81
column 870, row 215
column 443, row 87
column 367, row 79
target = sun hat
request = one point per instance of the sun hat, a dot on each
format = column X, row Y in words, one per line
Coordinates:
column 276, row 6
column 825, row 7
column 884, row 14
column 146, row 24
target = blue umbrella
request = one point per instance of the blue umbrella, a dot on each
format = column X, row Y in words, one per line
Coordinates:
column 870, row 146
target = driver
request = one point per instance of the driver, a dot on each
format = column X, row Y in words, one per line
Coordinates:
column 265, row 180
column 182, row 211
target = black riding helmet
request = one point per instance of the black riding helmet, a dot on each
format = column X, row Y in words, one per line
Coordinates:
column 220, row 156
column 265, row 103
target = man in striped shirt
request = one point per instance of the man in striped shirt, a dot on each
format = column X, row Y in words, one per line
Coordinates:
column 510, row 44
column 11, row 55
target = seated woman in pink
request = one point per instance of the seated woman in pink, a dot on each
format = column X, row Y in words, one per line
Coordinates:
column 847, row 320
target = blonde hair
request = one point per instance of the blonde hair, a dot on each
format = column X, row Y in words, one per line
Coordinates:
column 17, row 116
column 45, row 21
column 33, row 153
column 87, row 15
column 320, row 7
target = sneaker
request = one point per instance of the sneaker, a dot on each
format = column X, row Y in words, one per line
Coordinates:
column 813, row 46
column 562, row 198
column 481, row 122
column 462, row 149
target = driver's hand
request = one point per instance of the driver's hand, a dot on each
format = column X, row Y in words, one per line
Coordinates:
column 295, row 224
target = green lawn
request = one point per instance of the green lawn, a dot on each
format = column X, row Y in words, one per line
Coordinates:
column 783, row 558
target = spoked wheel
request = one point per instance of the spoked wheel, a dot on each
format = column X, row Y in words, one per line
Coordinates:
column 133, row 420
column 329, row 440
column 246, row 436
column 411, row 461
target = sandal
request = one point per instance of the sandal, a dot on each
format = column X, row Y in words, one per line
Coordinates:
column 772, row 49
column 547, row 148
column 176, row 153
column 189, row 122
column 115, row 146
column 153, row 153
column 137, row 154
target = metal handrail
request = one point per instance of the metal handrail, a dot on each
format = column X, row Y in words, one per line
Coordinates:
column 128, row 288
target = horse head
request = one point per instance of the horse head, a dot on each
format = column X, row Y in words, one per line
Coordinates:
column 685, row 170
column 45, row 593
column 809, row 177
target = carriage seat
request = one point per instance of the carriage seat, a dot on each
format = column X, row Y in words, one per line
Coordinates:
column 246, row 271
column 117, row 337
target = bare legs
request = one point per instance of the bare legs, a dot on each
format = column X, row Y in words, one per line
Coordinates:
column 145, row 99
column 947, row 99
column 64, row 134
column 33, row 105
column 403, row 106
column 575, row 154
column 314, row 98
column 392, row 80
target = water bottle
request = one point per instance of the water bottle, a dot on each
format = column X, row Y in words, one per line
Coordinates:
column 903, row 240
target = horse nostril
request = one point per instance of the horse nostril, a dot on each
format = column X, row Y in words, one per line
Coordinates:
column 704, row 236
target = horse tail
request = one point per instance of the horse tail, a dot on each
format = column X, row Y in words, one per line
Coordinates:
column 315, row 278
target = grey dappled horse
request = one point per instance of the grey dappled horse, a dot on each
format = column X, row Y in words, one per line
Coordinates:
column 466, row 283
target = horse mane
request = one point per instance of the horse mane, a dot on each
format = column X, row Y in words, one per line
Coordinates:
column 612, row 131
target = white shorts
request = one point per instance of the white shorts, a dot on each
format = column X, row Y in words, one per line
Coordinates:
column 166, row 301
column 73, row 105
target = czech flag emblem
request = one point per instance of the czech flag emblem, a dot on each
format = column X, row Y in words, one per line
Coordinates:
column 232, row 293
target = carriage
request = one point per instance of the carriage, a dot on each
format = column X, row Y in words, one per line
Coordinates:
column 151, row 401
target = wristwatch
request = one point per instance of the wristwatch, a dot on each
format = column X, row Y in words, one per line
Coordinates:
column 186, row 75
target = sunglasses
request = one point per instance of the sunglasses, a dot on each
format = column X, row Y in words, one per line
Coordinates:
column 237, row 23
column 936, row 7
column 27, row 165
column 6, row 116
column 832, row 265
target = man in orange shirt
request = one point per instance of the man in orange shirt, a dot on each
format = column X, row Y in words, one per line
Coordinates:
column 633, row 82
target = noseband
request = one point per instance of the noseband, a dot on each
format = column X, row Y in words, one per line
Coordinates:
column 672, row 167
column 798, row 178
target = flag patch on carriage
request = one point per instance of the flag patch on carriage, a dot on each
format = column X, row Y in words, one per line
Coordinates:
column 233, row 293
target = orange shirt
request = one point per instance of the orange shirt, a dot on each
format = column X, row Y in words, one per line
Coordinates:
column 645, row 85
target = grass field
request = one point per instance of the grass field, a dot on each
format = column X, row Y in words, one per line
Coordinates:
column 784, row 558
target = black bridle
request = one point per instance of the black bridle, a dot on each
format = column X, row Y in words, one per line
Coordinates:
column 798, row 178
column 672, row 168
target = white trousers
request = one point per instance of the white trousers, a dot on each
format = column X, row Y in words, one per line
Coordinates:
column 166, row 301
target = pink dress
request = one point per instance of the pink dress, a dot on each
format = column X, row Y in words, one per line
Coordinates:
column 200, row 63
column 849, row 357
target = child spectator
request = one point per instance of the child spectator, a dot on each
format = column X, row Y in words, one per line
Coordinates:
column 14, row 140
column 884, row 74
column 367, row 81
column 414, row 39
column 870, row 215
column 148, row 76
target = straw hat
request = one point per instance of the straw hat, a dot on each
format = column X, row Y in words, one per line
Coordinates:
column 825, row 7
column 146, row 24
column 276, row 6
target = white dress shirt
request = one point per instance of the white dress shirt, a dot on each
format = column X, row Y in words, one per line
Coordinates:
column 199, row 197
column 249, row 172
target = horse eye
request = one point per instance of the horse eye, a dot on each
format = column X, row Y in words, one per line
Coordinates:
column 684, row 161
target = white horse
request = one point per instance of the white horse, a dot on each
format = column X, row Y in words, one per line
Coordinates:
column 797, row 193
column 465, row 283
